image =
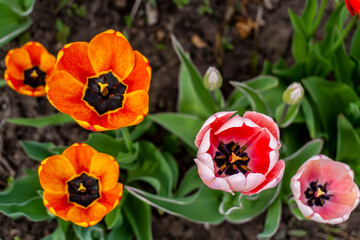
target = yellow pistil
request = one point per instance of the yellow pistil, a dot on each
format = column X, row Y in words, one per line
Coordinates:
column 235, row 158
column 319, row 192
column 34, row 74
column 82, row 188
column 103, row 88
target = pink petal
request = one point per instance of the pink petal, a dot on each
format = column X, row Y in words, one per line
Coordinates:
column 265, row 122
column 253, row 180
column 213, row 122
column 236, row 182
column 295, row 188
column 304, row 209
column 272, row 178
column 205, row 143
column 207, row 160
column 220, row 184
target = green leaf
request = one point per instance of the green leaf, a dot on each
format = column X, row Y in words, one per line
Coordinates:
column 309, row 13
column 309, row 117
column 295, row 73
column 294, row 162
column 58, row 118
column 344, row 66
column 272, row 221
column 20, row 7
column 153, row 166
column 89, row 233
column 106, row 144
column 189, row 101
column 316, row 64
column 2, row 83
column 183, row 126
column 250, row 207
column 127, row 160
column 331, row 99
column 299, row 47
column 193, row 207
column 141, row 128
column 121, row 232
column 335, row 18
column 294, row 209
column 284, row 120
column 138, row 214
column 37, row 151
column 262, row 82
column 256, row 101
column 20, row 198
column 11, row 27
column 348, row 145
column 173, row 166
column 114, row 217
column 196, row 80
column 298, row 24
column 189, row 183
column 355, row 44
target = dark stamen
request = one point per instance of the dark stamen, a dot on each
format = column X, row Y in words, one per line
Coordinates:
column 105, row 93
column 83, row 190
column 34, row 77
column 316, row 194
column 231, row 159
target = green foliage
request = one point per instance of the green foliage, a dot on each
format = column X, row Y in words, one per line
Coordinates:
column 181, row 3
column 59, row 118
column 272, row 221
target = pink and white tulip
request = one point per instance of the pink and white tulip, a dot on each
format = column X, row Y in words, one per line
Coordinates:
column 324, row 190
column 239, row 154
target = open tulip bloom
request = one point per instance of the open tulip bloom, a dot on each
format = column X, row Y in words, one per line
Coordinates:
column 324, row 190
column 81, row 185
column 102, row 84
column 28, row 68
column 239, row 154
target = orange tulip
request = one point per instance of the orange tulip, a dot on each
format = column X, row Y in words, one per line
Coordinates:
column 28, row 69
column 353, row 6
column 102, row 84
column 81, row 185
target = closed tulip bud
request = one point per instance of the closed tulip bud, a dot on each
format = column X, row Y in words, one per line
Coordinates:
column 293, row 94
column 212, row 79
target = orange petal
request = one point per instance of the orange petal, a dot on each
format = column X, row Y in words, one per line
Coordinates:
column 33, row 92
column 135, row 107
column 111, row 51
column 104, row 167
column 65, row 94
column 17, row 60
column 111, row 198
column 47, row 63
column 57, row 204
column 92, row 121
column 35, row 50
column 80, row 155
column 86, row 217
column 54, row 172
column 139, row 78
column 73, row 58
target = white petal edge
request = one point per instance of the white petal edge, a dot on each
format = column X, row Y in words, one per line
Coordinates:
column 236, row 182
column 221, row 184
column 207, row 160
column 305, row 210
column 205, row 143
column 253, row 180
column 295, row 188
column 235, row 121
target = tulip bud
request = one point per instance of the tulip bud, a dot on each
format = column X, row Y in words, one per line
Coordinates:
column 293, row 94
column 212, row 79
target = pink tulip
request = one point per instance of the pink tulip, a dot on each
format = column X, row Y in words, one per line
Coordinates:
column 239, row 154
column 324, row 190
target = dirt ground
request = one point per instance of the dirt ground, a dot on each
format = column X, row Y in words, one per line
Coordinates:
column 242, row 59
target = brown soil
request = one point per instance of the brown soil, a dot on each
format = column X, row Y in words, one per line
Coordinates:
column 271, row 41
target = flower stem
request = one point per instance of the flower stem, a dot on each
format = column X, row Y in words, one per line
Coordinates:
column 286, row 108
column 127, row 138
column 344, row 33
column 318, row 18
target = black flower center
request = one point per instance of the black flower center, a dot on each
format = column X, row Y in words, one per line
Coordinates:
column 34, row 77
column 231, row 159
column 83, row 190
column 316, row 194
column 105, row 93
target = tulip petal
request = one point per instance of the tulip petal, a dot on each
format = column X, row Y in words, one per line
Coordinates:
column 35, row 50
column 57, row 204
column 111, row 51
column 80, row 155
column 253, row 180
column 74, row 59
column 54, row 172
column 139, row 78
column 265, row 122
column 272, row 178
column 207, row 160
column 104, row 167
column 17, row 60
column 214, row 122
column 65, row 93
column 236, row 182
column 47, row 63
column 111, row 197
column 86, row 217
